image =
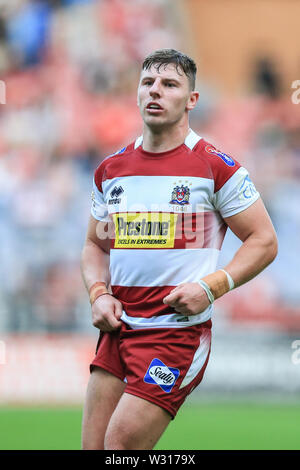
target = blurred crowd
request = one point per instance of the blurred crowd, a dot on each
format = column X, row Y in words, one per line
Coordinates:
column 71, row 69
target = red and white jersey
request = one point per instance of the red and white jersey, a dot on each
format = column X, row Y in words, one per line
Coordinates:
column 168, row 211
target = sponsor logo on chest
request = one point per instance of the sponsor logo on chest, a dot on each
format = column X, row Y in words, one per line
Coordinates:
column 144, row 230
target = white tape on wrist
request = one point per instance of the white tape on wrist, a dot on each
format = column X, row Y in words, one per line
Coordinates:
column 230, row 280
column 207, row 290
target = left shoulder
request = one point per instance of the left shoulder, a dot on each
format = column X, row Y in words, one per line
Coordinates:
column 222, row 165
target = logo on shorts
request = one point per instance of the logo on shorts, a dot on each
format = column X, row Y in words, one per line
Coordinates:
column 160, row 374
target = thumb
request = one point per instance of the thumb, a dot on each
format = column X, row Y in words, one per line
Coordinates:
column 118, row 310
column 172, row 297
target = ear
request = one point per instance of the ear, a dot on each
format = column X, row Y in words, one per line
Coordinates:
column 192, row 101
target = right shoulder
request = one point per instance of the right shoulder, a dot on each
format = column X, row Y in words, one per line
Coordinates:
column 113, row 159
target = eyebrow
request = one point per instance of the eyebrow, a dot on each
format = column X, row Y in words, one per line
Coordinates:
column 168, row 79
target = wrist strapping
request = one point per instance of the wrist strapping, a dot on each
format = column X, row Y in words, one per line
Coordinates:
column 217, row 284
column 97, row 289
column 230, row 280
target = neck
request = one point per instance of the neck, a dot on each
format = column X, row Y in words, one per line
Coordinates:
column 162, row 140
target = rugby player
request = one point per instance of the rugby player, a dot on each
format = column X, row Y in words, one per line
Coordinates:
column 160, row 210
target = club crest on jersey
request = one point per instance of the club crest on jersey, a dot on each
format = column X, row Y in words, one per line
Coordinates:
column 180, row 195
column 226, row 158
column 160, row 374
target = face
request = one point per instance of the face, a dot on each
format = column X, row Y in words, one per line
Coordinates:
column 164, row 97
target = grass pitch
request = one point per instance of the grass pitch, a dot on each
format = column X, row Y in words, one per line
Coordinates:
column 209, row 426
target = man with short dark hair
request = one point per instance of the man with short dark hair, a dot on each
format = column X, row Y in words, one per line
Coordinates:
column 161, row 207
column 183, row 63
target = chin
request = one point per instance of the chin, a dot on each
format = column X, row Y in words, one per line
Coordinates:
column 155, row 123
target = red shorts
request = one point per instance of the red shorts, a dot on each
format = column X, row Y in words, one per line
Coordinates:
column 161, row 365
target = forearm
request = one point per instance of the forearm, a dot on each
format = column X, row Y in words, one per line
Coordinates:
column 106, row 309
column 94, row 265
column 253, row 256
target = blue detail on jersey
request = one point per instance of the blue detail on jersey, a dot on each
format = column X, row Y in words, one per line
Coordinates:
column 247, row 188
column 117, row 153
column 120, row 151
column 160, row 374
column 226, row 158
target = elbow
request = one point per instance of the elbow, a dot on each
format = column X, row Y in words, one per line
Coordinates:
column 83, row 251
column 271, row 247
column 82, row 258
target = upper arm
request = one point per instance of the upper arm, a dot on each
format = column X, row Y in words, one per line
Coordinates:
column 252, row 221
column 99, row 233
column 99, row 225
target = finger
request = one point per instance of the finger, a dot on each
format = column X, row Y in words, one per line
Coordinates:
column 118, row 311
column 180, row 286
column 176, row 289
column 107, row 327
column 183, row 311
column 104, row 321
column 113, row 322
column 102, row 325
column 171, row 298
column 181, row 308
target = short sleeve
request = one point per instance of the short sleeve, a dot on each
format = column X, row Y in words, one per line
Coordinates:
column 236, row 195
column 99, row 208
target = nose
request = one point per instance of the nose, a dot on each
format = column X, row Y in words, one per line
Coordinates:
column 155, row 88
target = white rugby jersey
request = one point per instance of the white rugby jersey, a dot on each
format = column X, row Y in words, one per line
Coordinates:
column 168, row 211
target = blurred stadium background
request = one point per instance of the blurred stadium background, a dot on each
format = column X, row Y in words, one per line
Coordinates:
column 70, row 69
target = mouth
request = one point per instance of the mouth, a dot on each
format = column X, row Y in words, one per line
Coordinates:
column 154, row 108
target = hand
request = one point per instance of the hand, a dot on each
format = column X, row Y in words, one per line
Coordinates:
column 106, row 313
column 188, row 299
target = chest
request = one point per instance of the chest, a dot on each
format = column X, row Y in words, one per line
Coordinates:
column 173, row 194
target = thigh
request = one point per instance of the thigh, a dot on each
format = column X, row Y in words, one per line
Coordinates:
column 104, row 390
column 103, row 394
column 135, row 424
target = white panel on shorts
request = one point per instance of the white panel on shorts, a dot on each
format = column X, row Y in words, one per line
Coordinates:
column 198, row 361
column 160, row 267
column 166, row 321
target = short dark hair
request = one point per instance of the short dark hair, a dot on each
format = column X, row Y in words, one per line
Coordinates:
column 171, row 56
